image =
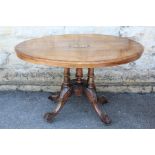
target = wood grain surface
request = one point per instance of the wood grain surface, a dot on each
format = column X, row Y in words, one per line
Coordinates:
column 79, row 50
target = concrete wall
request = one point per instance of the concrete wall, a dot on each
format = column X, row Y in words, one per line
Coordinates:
column 15, row 74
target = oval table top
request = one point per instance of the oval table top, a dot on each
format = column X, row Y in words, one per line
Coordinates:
column 79, row 50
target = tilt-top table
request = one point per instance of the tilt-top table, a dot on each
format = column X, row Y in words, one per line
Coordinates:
column 79, row 51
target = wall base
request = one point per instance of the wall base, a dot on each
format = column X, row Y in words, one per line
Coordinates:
column 47, row 88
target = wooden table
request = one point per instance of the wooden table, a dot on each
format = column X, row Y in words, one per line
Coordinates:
column 79, row 51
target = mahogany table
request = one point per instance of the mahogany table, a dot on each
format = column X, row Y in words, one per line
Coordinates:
column 79, row 51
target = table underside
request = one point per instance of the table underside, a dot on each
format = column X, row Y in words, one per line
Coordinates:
column 78, row 86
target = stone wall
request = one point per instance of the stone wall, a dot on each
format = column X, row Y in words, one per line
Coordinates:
column 15, row 74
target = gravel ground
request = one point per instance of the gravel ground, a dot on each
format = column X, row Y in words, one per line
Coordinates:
column 25, row 110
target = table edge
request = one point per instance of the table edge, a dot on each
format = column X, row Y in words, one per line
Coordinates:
column 74, row 64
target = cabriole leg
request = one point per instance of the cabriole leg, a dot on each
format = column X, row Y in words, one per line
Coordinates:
column 90, row 92
column 65, row 93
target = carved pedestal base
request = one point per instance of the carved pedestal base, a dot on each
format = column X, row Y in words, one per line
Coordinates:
column 78, row 87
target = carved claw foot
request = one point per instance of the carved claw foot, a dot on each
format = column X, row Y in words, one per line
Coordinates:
column 105, row 119
column 102, row 100
column 49, row 116
column 54, row 97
